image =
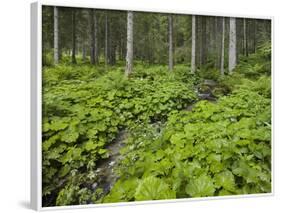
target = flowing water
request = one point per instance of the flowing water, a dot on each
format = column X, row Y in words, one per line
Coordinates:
column 105, row 167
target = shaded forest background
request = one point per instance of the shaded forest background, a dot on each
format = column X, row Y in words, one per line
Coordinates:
column 100, row 37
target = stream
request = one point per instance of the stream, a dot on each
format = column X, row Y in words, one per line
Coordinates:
column 105, row 167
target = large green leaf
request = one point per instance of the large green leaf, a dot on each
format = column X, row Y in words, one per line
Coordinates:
column 201, row 186
column 152, row 188
column 226, row 180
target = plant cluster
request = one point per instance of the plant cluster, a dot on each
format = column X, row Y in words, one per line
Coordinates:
column 216, row 149
column 83, row 112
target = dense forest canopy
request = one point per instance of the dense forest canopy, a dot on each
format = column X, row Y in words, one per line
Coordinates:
column 148, row 106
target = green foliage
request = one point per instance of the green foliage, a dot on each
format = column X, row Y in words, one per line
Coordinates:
column 257, row 64
column 200, row 187
column 83, row 112
column 221, row 148
column 152, row 188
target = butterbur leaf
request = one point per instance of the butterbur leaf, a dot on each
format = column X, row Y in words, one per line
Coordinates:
column 177, row 140
column 102, row 151
column 200, row 187
column 224, row 192
column 65, row 170
column 69, row 137
column 90, row 145
column 58, row 124
column 152, row 188
column 226, row 180
column 123, row 190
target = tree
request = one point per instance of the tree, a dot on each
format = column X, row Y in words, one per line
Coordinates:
column 255, row 36
column 93, row 36
column 106, row 41
column 170, row 20
column 245, row 39
column 222, row 47
column 193, row 50
column 232, row 45
column 129, row 56
column 73, row 36
column 203, row 41
column 56, row 35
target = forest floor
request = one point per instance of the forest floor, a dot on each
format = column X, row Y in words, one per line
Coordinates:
column 106, row 176
column 157, row 135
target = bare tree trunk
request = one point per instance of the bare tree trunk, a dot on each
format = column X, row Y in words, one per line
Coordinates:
column 92, row 36
column 198, row 41
column 245, row 40
column 232, row 45
column 56, row 35
column 193, row 50
column 106, row 42
column 73, row 37
column 129, row 56
column 218, row 40
column 203, row 41
column 170, row 19
column 255, row 37
column 84, row 51
column 96, row 38
column 222, row 47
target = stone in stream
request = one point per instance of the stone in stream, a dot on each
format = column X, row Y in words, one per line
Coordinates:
column 94, row 186
column 111, row 163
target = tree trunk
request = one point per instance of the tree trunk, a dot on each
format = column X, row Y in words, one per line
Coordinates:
column 96, row 39
column 129, row 56
column 255, row 37
column 198, row 41
column 218, row 40
column 92, row 36
column 193, row 50
column 232, row 45
column 73, row 37
column 170, row 19
column 245, row 40
column 203, row 41
column 106, row 42
column 222, row 47
column 56, row 35
column 84, row 52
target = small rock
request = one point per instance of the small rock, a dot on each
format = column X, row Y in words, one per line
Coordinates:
column 111, row 163
column 94, row 186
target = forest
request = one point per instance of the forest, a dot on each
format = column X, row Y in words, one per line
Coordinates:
column 143, row 106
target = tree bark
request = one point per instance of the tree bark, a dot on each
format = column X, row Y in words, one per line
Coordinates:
column 106, row 41
column 255, row 37
column 203, row 41
column 245, row 40
column 92, row 36
column 193, row 47
column 96, row 38
column 232, row 45
column 56, row 35
column 129, row 56
column 218, row 40
column 170, row 19
column 84, row 51
column 73, row 37
column 222, row 47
